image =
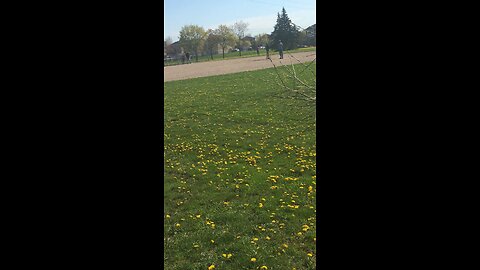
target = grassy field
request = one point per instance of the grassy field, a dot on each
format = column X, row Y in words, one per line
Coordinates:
column 240, row 175
column 232, row 55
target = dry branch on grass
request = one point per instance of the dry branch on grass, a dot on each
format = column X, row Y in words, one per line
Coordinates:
column 294, row 86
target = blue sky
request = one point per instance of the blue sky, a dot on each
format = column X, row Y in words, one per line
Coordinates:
column 261, row 15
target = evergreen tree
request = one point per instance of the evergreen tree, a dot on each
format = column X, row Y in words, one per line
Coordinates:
column 285, row 31
column 311, row 35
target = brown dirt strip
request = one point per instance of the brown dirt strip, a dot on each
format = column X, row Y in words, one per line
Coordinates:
column 204, row 69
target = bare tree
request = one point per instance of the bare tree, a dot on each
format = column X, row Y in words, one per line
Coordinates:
column 297, row 82
column 240, row 29
column 261, row 39
column 168, row 41
column 242, row 44
column 212, row 42
column 227, row 37
column 192, row 38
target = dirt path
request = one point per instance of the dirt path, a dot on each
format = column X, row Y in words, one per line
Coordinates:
column 204, row 69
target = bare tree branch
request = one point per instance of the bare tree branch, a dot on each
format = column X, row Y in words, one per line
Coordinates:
column 300, row 89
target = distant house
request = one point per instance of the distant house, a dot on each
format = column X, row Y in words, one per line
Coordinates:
column 173, row 50
column 249, row 39
column 219, row 49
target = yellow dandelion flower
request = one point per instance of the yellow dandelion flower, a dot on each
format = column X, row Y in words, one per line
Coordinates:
column 263, row 267
column 211, row 267
column 310, row 254
column 212, row 241
column 177, row 225
column 268, row 238
column 167, row 216
column 285, row 245
column 260, row 205
column 253, row 259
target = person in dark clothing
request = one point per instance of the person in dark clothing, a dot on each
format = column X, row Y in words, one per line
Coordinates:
column 187, row 55
column 267, row 48
column 280, row 49
column 258, row 52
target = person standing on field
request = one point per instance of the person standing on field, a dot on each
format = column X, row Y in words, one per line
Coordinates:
column 267, row 48
column 280, row 49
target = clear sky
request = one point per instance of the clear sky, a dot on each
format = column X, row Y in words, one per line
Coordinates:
column 261, row 15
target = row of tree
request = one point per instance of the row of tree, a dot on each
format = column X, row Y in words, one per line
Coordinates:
column 195, row 39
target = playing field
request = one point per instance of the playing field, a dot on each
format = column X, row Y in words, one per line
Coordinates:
column 204, row 69
column 240, row 174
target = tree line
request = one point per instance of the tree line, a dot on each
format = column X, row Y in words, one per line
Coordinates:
column 195, row 39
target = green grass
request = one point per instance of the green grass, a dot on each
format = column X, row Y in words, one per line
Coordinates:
column 240, row 167
column 233, row 55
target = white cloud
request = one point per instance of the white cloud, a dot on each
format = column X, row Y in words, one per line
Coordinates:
column 304, row 18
